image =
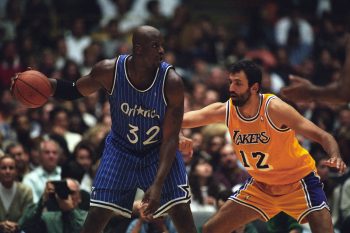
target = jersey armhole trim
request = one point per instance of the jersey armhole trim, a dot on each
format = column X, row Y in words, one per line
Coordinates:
column 268, row 117
column 114, row 76
column 164, row 78
column 227, row 113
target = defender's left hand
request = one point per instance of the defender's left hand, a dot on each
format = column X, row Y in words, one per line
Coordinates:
column 185, row 145
column 336, row 162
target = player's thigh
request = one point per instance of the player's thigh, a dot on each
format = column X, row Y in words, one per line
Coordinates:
column 320, row 221
column 231, row 216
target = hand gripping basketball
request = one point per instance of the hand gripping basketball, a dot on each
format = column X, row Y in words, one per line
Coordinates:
column 31, row 88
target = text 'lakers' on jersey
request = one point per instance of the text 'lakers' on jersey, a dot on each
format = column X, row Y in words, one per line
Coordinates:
column 137, row 115
column 261, row 146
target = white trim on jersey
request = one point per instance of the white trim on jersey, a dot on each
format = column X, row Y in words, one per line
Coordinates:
column 164, row 77
column 167, row 206
column 106, row 205
column 234, row 198
column 127, row 78
column 315, row 208
column 308, row 200
column 115, row 76
column 307, row 195
column 162, row 210
column 227, row 117
column 241, row 117
column 261, row 212
column 273, row 126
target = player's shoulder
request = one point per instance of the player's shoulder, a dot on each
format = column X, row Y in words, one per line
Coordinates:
column 103, row 70
column 174, row 86
column 172, row 73
column 274, row 104
column 105, row 64
column 173, row 78
column 274, row 101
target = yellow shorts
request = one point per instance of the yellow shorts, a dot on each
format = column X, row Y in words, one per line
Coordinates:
column 297, row 199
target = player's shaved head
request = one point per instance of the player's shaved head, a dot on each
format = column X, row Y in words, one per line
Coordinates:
column 143, row 34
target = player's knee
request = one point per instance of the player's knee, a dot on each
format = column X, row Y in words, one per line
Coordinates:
column 180, row 211
column 96, row 220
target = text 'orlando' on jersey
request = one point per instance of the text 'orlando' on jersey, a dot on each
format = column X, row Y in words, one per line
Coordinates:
column 262, row 146
column 137, row 115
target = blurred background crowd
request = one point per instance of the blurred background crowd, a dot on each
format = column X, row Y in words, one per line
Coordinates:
column 63, row 140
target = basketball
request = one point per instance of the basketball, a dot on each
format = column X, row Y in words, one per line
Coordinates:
column 31, row 88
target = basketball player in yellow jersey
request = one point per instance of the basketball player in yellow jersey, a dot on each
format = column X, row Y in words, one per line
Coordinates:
column 263, row 128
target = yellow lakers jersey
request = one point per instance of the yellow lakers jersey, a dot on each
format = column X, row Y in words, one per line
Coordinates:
column 270, row 154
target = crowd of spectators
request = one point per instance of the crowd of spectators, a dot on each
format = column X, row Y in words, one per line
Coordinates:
column 64, row 39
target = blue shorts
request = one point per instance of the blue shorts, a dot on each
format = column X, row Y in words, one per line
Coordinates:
column 120, row 174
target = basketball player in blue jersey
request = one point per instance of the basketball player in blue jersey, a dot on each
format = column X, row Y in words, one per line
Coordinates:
column 146, row 99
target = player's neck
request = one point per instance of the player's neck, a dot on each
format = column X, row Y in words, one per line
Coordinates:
column 140, row 76
column 251, row 107
column 139, row 66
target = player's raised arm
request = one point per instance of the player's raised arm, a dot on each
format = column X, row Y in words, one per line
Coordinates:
column 283, row 115
column 302, row 90
column 101, row 76
column 213, row 113
column 336, row 92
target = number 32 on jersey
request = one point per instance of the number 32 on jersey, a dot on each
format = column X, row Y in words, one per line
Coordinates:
column 256, row 160
column 151, row 133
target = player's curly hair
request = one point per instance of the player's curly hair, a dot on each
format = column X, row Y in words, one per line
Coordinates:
column 250, row 68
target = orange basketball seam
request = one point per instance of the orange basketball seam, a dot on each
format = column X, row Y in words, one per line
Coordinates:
column 25, row 99
column 28, row 84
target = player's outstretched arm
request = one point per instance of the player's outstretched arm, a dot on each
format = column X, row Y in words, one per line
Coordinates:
column 213, row 113
column 101, row 76
column 284, row 115
column 302, row 90
column 174, row 93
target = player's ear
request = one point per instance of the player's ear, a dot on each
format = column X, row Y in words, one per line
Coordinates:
column 137, row 48
column 255, row 87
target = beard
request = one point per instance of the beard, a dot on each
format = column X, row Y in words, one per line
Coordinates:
column 240, row 100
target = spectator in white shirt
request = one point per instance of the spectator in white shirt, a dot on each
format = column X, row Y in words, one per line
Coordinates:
column 48, row 169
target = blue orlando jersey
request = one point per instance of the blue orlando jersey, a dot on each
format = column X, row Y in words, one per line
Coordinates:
column 137, row 115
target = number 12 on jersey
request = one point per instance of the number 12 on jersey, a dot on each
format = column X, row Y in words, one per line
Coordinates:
column 260, row 161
